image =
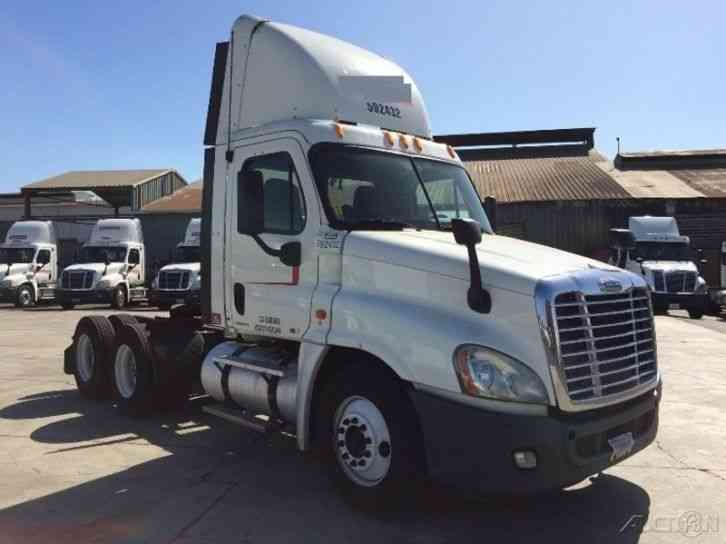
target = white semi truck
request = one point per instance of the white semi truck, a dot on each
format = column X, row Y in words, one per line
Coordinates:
column 654, row 248
column 180, row 281
column 110, row 267
column 28, row 263
column 354, row 295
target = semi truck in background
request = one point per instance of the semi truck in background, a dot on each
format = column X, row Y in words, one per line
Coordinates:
column 353, row 294
column 29, row 263
column 180, row 281
column 109, row 268
column 654, row 248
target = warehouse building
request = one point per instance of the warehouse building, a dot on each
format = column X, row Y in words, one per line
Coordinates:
column 553, row 187
column 75, row 200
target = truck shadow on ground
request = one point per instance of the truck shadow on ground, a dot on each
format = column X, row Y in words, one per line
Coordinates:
column 209, row 481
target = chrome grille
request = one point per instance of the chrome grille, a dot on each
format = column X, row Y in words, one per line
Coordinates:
column 680, row 281
column 77, row 279
column 606, row 343
column 658, row 280
column 173, row 280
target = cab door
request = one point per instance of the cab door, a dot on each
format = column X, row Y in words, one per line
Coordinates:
column 43, row 267
column 263, row 295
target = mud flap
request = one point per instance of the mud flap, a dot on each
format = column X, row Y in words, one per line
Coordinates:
column 68, row 366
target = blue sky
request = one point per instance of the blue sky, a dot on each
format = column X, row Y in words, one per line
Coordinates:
column 102, row 85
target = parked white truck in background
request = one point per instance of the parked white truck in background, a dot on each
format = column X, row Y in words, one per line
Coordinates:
column 354, row 295
column 180, row 281
column 654, row 248
column 110, row 267
column 28, row 263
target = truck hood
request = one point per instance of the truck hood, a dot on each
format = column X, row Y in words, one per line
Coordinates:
column 19, row 268
column 181, row 267
column 98, row 268
column 670, row 266
column 506, row 263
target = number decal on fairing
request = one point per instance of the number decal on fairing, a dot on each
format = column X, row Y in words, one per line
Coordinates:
column 383, row 109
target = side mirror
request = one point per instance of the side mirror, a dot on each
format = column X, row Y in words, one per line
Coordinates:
column 639, row 259
column 290, row 254
column 251, row 202
column 467, row 232
column 106, row 259
column 39, row 267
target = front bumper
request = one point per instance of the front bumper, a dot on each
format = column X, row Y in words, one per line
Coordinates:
column 8, row 294
column 684, row 300
column 85, row 296
column 473, row 449
column 173, row 296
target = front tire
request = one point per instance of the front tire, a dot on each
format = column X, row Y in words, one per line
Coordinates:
column 369, row 434
column 695, row 313
column 24, row 297
column 119, row 298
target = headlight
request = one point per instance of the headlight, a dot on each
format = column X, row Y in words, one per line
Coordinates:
column 197, row 281
column 155, row 283
column 103, row 284
column 483, row 372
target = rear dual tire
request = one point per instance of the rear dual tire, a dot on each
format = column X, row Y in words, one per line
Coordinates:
column 133, row 371
column 93, row 347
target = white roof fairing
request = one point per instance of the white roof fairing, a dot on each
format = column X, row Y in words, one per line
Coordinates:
column 292, row 73
column 23, row 233
column 116, row 231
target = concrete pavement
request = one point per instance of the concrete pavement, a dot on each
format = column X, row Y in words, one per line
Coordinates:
column 76, row 471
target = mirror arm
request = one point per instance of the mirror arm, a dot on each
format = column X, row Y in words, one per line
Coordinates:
column 264, row 247
column 478, row 298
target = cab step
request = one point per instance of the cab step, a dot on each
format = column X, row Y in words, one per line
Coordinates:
column 240, row 418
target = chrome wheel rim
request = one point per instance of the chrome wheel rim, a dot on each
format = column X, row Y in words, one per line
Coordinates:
column 120, row 298
column 362, row 441
column 125, row 371
column 85, row 358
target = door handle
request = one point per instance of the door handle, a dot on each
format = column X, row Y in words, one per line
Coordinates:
column 239, row 298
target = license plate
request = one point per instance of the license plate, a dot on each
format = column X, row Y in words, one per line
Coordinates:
column 622, row 446
column 180, row 301
column 76, row 300
column 674, row 306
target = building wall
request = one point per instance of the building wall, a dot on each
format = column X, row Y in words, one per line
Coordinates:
column 582, row 226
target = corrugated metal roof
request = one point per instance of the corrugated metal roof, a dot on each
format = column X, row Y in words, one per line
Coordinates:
column 186, row 199
column 90, row 179
column 708, row 181
column 543, row 173
column 650, row 183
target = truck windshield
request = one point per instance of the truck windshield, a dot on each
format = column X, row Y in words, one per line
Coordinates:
column 660, row 251
column 96, row 254
column 187, row 254
column 367, row 189
column 16, row 255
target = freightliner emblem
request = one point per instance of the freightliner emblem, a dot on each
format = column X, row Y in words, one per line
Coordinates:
column 610, row 286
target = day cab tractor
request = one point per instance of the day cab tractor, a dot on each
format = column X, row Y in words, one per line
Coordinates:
column 354, row 295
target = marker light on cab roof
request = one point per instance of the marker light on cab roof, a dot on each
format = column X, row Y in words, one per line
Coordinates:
column 402, row 141
column 451, row 151
column 339, row 130
column 417, row 144
column 388, row 137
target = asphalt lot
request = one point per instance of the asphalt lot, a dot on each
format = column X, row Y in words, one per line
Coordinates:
column 77, row 471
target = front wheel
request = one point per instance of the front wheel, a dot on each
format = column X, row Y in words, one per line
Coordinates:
column 370, row 435
column 119, row 299
column 695, row 313
column 24, row 297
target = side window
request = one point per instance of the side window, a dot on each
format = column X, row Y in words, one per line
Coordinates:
column 134, row 256
column 43, row 256
column 284, row 203
column 623, row 258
